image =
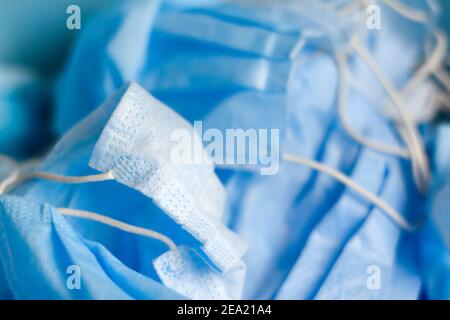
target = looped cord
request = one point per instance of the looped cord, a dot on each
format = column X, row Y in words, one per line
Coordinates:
column 406, row 126
column 346, row 180
column 411, row 135
column 118, row 225
column 8, row 160
column 16, row 178
column 341, row 60
column 408, row 12
column 396, row 5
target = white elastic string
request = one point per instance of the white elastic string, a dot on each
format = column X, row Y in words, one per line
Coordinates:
column 71, row 179
column 444, row 100
column 444, row 97
column 417, row 152
column 302, row 40
column 409, row 143
column 119, row 225
column 341, row 60
column 8, row 160
column 408, row 12
column 8, row 181
column 299, row 45
column 377, row 201
column 431, row 66
column 17, row 178
column 406, row 127
column 443, row 78
column 351, row 7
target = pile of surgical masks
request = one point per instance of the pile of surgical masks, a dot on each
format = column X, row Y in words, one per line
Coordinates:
column 252, row 149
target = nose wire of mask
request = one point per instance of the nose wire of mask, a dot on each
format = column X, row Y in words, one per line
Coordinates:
column 17, row 178
column 433, row 66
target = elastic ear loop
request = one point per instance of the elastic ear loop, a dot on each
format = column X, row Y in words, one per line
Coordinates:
column 8, row 160
column 408, row 12
column 416, row 152
column 393, row 214
column 430, row 67
column 119, row 225
column 409, row 135
column 16, row 178
column 444, row 79
column 341, row 60
column 433, row 66
column 351, row 7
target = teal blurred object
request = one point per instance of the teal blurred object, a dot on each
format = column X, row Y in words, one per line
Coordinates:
column 24, row 112
column 33, row 42
column 445, row 17
column 43, row 38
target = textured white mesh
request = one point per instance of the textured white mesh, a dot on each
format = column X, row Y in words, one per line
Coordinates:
column 187, row 273
column 136, row 146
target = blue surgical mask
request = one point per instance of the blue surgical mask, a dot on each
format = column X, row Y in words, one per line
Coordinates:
column 44, row 256
column 323, row 230
column 307, row 232
column 316, row 219
column 435, row 237
column 153, row 200
column 269, row 35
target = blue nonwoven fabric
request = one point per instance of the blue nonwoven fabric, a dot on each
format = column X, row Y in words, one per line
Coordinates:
column 248, row 65
column 113, row 264
column 192, row 57
column 435, row 237
column 319, row 231
column 39, row 246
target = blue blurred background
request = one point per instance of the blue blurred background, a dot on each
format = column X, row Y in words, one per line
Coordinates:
column 42, row 40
